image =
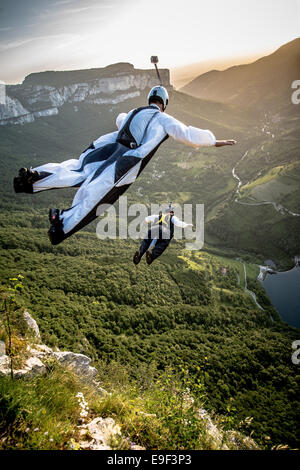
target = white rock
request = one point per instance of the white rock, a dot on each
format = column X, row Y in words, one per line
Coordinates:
column 137, row 447
column 46, row 112
column 241, row 442
column 101, row 430
column 43, row 348
column 212, row 430
column 32, row 324
column 84, row 444
column 4, row 365
column 12, row 108
column 2, row 348
column 78, row 362
column 117, row 99
column 40, row 350
column 33, row 367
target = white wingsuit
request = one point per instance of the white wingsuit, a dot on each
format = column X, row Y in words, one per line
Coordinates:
column 107, row 168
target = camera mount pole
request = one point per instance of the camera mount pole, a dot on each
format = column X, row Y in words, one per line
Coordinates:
column 154, row 60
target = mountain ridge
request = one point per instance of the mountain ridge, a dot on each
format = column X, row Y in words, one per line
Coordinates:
column 43, row 94
column 119, row 68
column 252, row 85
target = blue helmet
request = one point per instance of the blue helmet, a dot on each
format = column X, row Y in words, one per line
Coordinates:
column 159, row 93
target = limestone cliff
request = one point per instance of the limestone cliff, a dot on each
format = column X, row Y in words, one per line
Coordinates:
column 43, row 94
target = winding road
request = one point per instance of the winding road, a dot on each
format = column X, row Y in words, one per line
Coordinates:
column 246, row 288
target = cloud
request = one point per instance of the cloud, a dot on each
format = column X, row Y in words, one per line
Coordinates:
column 71, row 38
column 62, row 2
column 14, row 44
column 70, row 11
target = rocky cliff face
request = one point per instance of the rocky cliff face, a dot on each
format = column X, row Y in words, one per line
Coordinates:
column 43, row 94
column 36, row 353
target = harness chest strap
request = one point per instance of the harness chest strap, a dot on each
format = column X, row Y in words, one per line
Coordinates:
column 125, row 137
column 164, row 219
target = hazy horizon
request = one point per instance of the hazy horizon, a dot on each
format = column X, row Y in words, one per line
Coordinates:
column 41, row 35
column 180, row 76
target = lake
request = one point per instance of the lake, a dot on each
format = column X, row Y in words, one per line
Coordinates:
column 283, row 290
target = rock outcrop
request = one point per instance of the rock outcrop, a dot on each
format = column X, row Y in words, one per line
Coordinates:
column 78, row 362
column 36, row 353
column 2, row 348
column 33, row 366
column 212, row 430
column 32, row 324
column 101, row 431
column 4, row 365
column 95, row 434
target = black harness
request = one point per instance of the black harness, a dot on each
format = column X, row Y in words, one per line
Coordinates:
column 165, row 222
column 125, row 137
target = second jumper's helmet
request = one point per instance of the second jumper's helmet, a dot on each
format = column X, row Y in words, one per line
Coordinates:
column 159, row 93
column 171, row 208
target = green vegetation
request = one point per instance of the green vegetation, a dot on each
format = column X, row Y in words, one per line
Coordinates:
column 155, row 409
column 40, row 413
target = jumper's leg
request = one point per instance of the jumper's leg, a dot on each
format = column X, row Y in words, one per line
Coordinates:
column 160, row 247
column 100, row 187
column 70, row 173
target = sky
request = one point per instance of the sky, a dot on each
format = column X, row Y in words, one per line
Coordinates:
column 38, row 35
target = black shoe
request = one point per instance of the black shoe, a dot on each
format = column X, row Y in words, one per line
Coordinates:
column 23, row 183
column 137, row 257
column 56, row 233
column 149, row 258
column 54, row 216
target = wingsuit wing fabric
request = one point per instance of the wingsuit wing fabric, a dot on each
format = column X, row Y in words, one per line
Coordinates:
column 107, row 168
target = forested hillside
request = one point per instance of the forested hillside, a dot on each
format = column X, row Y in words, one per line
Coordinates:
column 89, row 297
